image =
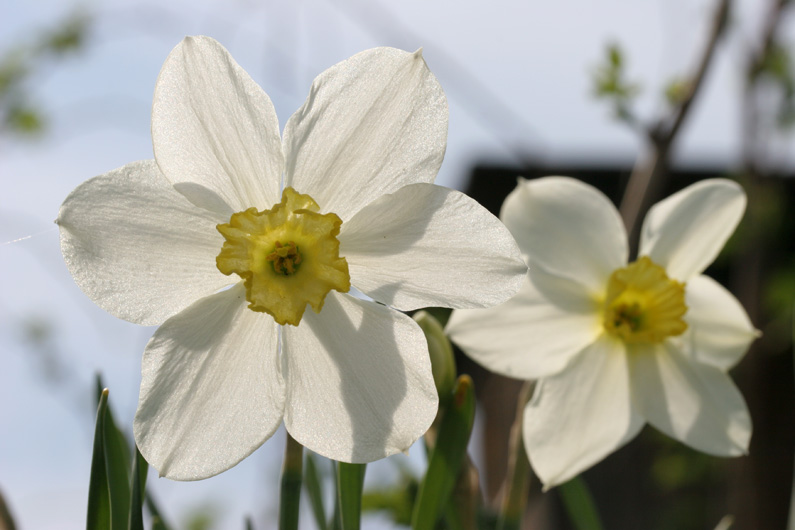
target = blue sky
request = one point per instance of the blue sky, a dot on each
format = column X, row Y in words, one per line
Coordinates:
column 517, row 75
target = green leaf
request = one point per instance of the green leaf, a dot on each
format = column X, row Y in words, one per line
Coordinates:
column 140, row 468
column 117, row 469
column 447, row 457
column 615, row 57
column 315, row 491
column 579, row 504
column 350, row 482
column 290, row 493
column 24, row 119
column 117, row 465
column 98, row 517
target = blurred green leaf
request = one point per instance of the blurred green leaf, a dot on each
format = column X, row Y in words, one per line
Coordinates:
column 24, row 120
column 447, row 456
column 202, row 518
column 6, row 519
column 98, row 517
column 68, row 36
column 158, row 522
column 314, row 490
column 579, row 504
column 677, row 91
column 397, row 501
column 13, row 70
column 19, row 112
column 610, row 83
column 350, row 482
column 615, row 57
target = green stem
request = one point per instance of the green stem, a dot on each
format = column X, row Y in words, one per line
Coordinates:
column 290, row 495
column 350, row 483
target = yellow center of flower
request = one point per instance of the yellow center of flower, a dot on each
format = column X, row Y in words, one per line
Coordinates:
column 288, row 256
column 643, row 304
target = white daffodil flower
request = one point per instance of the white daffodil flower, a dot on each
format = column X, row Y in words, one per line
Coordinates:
column 616, row 345
column 162, row 241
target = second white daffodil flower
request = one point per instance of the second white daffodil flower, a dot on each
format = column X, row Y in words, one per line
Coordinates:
column 617, row 344
column 205, row 241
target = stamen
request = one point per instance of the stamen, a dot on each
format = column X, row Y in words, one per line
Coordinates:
column 285, row 258
column 643, row 304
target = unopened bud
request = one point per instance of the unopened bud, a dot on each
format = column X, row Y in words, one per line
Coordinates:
column 442, row 359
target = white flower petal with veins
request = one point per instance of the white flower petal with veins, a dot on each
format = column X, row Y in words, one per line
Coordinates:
column 564, row 431
column 502, row 338
column 184, row 426
column 214, row 127
column 685, row 232
column 383, row 126
column 357, row 404
column 138, row 248
column 425, row 245
column 692, row 402
column 566, row 229
column 721, row 329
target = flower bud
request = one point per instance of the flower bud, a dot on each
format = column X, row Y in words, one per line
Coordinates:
column 442, row 359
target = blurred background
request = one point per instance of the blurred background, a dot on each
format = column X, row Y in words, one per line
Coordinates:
column 574, row 87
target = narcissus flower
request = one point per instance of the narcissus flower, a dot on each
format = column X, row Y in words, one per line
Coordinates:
column 207, row 241
column 617, row 344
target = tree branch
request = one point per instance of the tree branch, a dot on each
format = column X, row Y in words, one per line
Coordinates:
column 661, row 137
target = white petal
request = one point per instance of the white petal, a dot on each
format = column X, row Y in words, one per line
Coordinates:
column 695, row 403
column 720, row 327
column 527, row 337
column 426, row 245
column 215, row 131
column 685, row 232
column 136, row 247
column 211, row 388
column 371, row 125
column 567, row 228
column 580, row 416
column 359, row 382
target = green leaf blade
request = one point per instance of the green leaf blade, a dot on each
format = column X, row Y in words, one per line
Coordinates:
column 140, row 469
column 314, row 490
column 98, row 516
column 350, row 483
column 447, row 458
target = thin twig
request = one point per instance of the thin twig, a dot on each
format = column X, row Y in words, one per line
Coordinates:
column 755, row 66
column 661, row 136
column 517, row 481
